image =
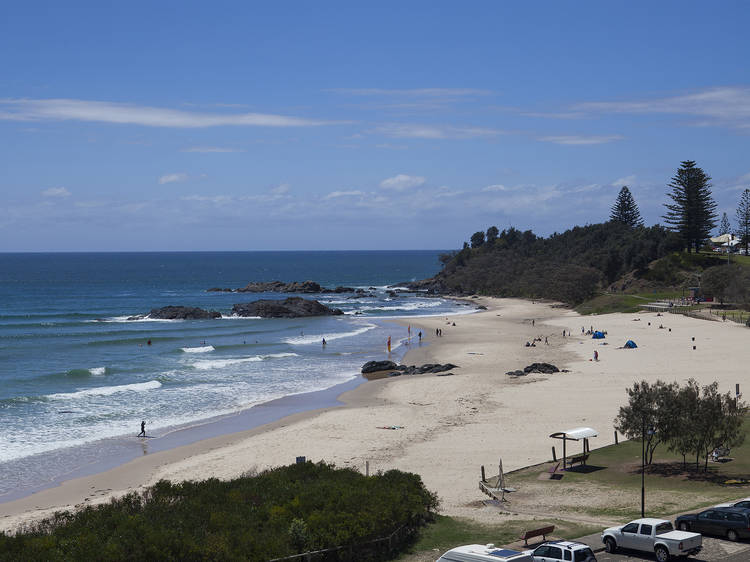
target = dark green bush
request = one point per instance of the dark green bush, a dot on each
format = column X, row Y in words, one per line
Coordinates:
column 570, row 267
column 276, row 513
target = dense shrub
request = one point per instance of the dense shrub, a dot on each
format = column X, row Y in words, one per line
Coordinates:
column 277, row 513
column 569, row 267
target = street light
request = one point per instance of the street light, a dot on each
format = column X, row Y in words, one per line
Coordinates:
column 650, row 432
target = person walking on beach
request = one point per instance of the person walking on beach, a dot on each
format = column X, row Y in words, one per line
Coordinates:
column 420, row 336
column 143, row 429
column 532, row 322
column 596, row 355
column 389, row 344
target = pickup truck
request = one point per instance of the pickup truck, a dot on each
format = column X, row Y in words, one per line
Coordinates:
column 652, row 535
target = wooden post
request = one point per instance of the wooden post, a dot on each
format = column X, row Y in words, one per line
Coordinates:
column 483, row 477
column 616, row 443
column 501, row 477
column 554, row 456
column 367, row 468
column 565, row 455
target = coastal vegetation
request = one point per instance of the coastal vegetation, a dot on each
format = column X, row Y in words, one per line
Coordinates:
column 570, row 266
column 279, row 512
column 689, row 419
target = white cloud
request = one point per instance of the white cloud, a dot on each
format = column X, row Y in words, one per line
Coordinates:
column 577, row 140
column 171, row 178
column 401, row 182
column 337, row 194
column 210, row 149
column 281, row 189
column 56, row 192
column 728, row 106
column 122, row 113
column 495, row 187
column 417, row 131
column 215, row 199
column 627, row 180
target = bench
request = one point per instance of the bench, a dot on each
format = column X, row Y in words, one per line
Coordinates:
column 541, row 532
column 580, row 459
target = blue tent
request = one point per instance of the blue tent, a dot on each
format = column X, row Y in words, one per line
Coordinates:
column 630, row 344
column 598, row 335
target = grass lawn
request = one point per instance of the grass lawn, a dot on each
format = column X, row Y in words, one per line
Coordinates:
column 586, row 500
column 611, row 482
column 623, row 302
column 448, row 532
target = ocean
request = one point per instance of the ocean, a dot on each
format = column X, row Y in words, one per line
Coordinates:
column 77, row 375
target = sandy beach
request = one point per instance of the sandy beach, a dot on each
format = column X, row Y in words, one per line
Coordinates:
column 448, row 426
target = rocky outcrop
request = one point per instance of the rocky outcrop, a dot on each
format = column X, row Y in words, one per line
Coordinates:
column 301, row 287
column 180, row 313
column 293, row 307
column 543, row 368
column 379, row 366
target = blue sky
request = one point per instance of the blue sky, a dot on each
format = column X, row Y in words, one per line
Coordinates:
column 351, row 125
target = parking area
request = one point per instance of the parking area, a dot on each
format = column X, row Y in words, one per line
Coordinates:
column 713, row 550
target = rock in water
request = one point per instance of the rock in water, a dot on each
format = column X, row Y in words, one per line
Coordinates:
column 182, row 313
column 293, row 307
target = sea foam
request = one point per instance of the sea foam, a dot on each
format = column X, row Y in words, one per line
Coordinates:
column 106, row 390
column 317, row 338
column 221, row 363
column 202, row 349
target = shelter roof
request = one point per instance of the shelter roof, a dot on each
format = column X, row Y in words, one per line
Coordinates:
column 575, row 434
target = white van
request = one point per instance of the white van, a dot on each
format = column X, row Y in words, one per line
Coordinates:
column 484, row 553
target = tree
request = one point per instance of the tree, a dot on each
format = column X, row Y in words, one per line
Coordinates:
column 717, row 422
column 684, row 441
column 743, row 220
column 492, row 233
column 477, row 239
column 692, row 211
column 625, row 209
column 724, row 226
column 650, row 407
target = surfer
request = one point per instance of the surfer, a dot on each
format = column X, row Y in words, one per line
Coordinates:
column 143, row 429
column 324, row 342
column 148, row 342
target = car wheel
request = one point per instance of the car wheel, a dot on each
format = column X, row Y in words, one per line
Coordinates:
column 684, row 526
column 610, row 545
column 732, row 535
column 662, row 554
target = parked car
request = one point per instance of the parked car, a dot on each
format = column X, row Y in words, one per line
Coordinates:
column 744, row 502
column 562, row 551
column 652, row 535
column 730, row 522
column 484, row 553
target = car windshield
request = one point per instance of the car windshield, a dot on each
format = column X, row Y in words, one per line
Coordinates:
column 583, row 555
column 665, row 527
